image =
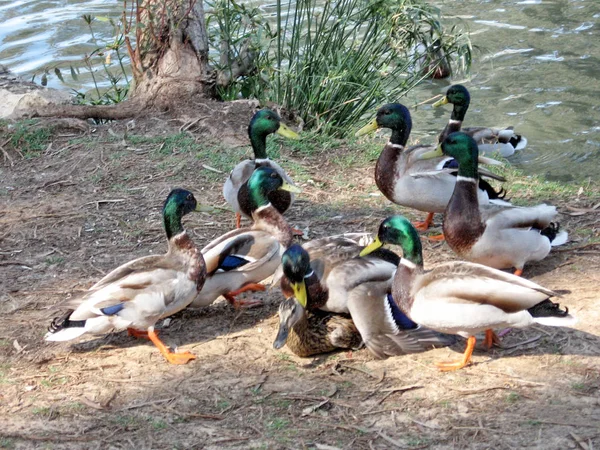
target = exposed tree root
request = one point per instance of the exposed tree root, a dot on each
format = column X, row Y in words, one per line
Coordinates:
column 125, row 110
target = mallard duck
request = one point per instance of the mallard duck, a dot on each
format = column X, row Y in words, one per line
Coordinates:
column 138, row 294
column 408, row 180
column 499, row 236
column 462, row 297
column 235, row 190
column 489, row 140
column 237, row 261
column 311, row 333
column 359, row 287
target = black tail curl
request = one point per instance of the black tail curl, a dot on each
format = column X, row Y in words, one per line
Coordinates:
column 551, row 231
column 548, row 309
column 491, row 192
column 62, row 322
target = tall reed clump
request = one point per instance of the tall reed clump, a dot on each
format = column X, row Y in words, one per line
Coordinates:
column 333, row 62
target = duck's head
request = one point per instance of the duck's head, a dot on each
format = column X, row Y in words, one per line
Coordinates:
column 263, row 123
column 397, row 230
column 290, row 313
column 457, row 94
column 179, row 203
column 461, row 147
column 262, row 182
column 394, row 116
column 296, row 267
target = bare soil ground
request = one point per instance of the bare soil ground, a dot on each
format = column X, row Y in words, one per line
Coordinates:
column 92, row 200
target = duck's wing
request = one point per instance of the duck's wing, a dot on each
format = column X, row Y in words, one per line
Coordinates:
column 385, row 330
column 140, row 265
column 469, row 283
column 243, row 252
column 238, row 176
column 506, row 217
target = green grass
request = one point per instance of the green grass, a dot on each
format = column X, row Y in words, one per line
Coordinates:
column 512, row 398
column 28, row 138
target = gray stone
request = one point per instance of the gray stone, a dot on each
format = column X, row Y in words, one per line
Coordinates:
column 18, row 97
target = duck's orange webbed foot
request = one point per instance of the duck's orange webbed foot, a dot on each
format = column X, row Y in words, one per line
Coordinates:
column 424, row 226
column 238, row 303
column 519, row 272
column 172, row 357
column 238, row 220
column 456, row 365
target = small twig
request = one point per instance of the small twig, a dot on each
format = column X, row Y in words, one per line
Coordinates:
column 580, row 441
column 212, row 169
column 389, row 439
column 153, row 402
column 518, row 344
column 98, row 202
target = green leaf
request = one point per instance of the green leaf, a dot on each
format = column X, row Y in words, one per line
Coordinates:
column 58, row 74
column 74, row 74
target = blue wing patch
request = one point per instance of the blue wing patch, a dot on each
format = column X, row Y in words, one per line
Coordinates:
column 231, row 262
column 403, row 322
column 452, row 164
column 112, row 310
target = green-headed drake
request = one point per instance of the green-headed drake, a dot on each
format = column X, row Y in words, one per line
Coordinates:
column 462, row 297
column 320, row 277
column 308, row 333
column 240, row 259
column 408, row 180
column 235, row 190
column 137, row 294
column 500, row 236
column 489, row 140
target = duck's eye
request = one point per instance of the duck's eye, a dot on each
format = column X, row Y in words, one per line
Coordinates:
column 189, row 197
column 273, row 175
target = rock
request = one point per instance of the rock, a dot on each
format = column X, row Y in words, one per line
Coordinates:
column 18, row 97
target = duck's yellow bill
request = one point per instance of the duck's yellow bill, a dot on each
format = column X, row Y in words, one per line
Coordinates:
column 300, row 293
column 371, row 247
column 290, row 188
column 441, row 101
column 206, row 208
column 432, row 154
column 284, row 131
column 368, row 128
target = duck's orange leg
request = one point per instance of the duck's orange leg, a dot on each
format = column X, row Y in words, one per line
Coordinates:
column 491, row 339
column 238, row 220
column 173, row 358
column 237, row 303
column 519, row 272
column 423, row 226
column 137, row 333
column 437, row 237
column 448, row 366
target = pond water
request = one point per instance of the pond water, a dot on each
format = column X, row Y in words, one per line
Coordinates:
column 537, row 68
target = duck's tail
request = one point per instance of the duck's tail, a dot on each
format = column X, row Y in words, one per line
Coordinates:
column 549, row 313
column 64, row 329
column 554, row 235
column 491, row 192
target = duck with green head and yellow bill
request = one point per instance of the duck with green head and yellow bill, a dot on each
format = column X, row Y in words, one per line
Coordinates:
column 322, row 278
column 500, row 236
column 405, row 178
column 235, row 190
column 461, row 297
column 139, row 293
column 308, row 333
column 239, row 260
column 489, row 140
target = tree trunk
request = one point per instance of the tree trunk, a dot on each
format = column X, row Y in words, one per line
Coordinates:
column 169, row 61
